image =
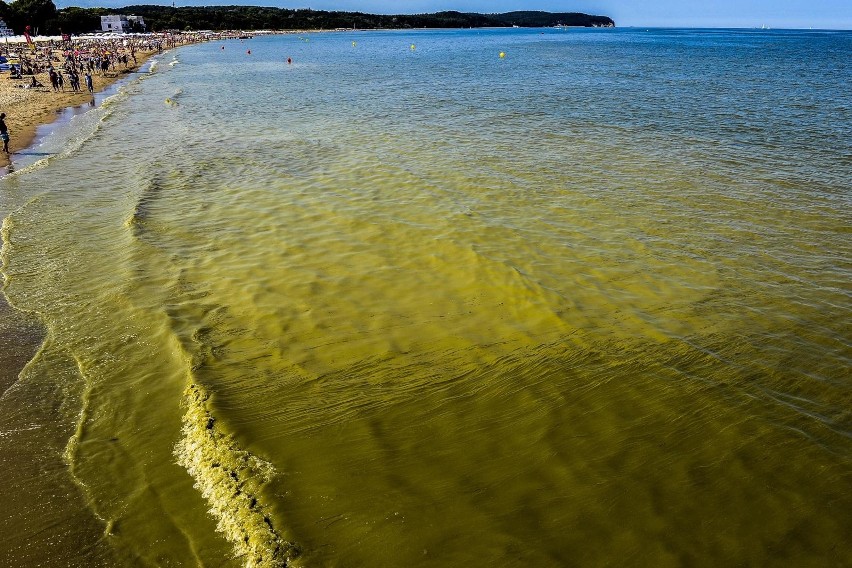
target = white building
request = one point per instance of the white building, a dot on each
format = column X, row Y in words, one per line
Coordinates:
column 117, row 23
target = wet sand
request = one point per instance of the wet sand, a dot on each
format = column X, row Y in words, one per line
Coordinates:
column 20, row 337
column 27, row 109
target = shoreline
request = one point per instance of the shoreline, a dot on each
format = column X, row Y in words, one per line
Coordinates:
column 27, row 109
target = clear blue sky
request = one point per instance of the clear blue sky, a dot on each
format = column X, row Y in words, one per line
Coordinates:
column 825, row 14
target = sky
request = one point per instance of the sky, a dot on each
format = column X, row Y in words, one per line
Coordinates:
column 818, row 14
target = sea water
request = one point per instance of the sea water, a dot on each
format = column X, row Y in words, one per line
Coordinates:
column 405, row 302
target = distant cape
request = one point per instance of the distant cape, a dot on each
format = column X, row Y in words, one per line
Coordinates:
column 159, row 18
column 531, row 19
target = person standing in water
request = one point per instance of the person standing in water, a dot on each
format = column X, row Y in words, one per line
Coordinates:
column 89, row 83
column 4, row 132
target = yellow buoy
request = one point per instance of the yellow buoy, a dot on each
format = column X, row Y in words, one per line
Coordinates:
column 502, row 55
column 353, row 44
column 412, row 47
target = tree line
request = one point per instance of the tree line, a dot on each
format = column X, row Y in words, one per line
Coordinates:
column 43, row 16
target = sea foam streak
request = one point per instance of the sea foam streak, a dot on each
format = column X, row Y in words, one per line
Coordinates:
column 230, row 479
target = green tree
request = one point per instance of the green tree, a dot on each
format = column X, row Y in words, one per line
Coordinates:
column 4, row 12
column 78, row 20
column 38, row 14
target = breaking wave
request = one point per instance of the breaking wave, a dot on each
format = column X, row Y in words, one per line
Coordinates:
column 230, row 479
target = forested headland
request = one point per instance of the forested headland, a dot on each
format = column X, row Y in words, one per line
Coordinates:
column 43, row 16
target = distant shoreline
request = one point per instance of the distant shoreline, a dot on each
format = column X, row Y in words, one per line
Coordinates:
column 170, row 18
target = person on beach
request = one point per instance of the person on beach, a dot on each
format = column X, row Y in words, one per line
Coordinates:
column 54, row 80
column 4, row 132
column 89, row 85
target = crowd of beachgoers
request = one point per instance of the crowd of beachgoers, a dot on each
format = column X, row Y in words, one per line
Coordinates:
column 77, row 56
column 49, row 74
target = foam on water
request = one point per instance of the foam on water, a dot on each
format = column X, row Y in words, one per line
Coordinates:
column 231, row 480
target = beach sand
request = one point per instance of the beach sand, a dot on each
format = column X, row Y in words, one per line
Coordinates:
column 27, row 109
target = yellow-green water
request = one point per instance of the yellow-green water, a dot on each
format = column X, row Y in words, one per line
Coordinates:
column 584, row 305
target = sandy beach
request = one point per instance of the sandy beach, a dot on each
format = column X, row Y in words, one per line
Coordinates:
column 27, row 108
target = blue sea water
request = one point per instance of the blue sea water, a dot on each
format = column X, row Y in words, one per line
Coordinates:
column 405, row 302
